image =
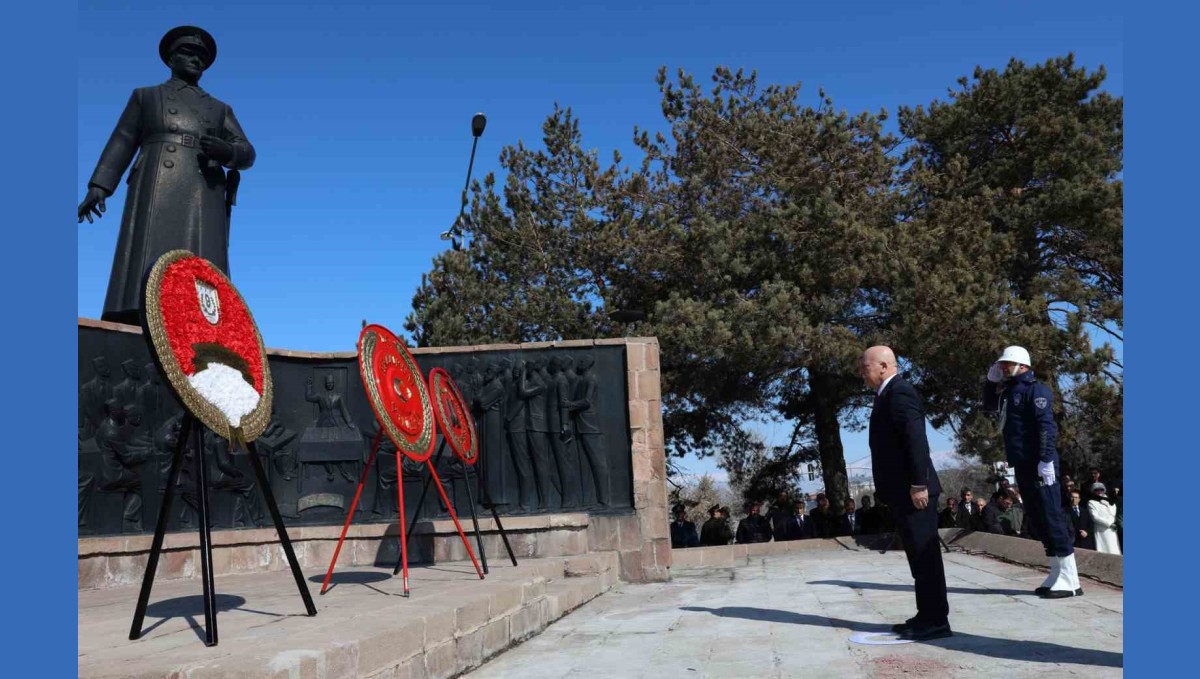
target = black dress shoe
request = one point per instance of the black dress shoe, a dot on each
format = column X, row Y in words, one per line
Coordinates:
column 901, row 626
column 927, row 632
column 1061, row 593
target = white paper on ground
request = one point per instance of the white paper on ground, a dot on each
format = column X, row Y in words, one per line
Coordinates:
column 878, row 638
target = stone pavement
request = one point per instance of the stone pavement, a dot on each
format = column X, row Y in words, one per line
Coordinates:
column 363, row 627
column 792, row 615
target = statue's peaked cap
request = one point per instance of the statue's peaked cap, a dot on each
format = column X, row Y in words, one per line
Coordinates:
column 192, row 34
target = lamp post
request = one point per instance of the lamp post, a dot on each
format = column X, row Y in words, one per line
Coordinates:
column 478, row 123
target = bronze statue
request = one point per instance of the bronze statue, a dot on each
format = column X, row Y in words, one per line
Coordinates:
column 179, row 196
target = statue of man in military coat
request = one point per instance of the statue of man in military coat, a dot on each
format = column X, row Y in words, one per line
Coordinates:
column 179, row 196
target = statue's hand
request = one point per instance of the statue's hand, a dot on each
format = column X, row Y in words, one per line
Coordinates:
column 93, row 204
column 216, row 148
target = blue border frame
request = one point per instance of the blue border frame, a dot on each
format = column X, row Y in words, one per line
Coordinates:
column 40, row 244
column 1161, row 263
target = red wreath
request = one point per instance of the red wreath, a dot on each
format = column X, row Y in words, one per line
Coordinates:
column 190, row 333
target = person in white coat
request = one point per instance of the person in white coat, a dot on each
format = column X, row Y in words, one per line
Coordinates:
column 1104, row 519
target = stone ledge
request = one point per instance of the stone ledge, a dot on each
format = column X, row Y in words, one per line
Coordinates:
column 1106, row 568
column 728, row 556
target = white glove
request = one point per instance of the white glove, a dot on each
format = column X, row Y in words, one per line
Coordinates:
column 1046, row 471
column 995, row 373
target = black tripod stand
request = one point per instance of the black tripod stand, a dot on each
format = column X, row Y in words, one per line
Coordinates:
column 192, row 429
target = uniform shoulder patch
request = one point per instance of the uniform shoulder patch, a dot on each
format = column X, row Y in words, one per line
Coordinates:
column 1040, row 402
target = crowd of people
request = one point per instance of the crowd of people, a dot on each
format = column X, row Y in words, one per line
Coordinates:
column 1094, row 512
column 788, row 519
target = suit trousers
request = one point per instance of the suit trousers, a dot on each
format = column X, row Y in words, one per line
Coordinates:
column 919, row 532
column 1043, row 506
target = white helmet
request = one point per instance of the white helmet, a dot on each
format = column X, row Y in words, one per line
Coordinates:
column 1015, row 354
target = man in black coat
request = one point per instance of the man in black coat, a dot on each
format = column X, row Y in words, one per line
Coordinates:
column 906, row 480
column 824, row 523
column 779, row 516
column 683, row 532
column 865, row 519
column 949, row 516
column 755, row 527
column 179, row 196
column 715, row 531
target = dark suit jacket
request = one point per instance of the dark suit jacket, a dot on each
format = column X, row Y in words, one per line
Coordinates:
column 899, row 449
column 947, row 518
column 966, row 518
column 798, row 528
column 684, row 536
column 866, row 520
column 1078, row 523
column 845, row 527
column 823, row 523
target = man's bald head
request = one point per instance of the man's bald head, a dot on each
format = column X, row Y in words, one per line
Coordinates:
column 876, row 365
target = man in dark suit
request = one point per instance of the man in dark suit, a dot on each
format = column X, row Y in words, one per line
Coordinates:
column 906, row 480
column 683, row 532
column 1080, row 523
column 799, row 527
column 848, row 522
column 968, row 515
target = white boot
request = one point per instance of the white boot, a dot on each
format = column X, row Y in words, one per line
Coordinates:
column 1067, row 583
column 1055, row 567
column 1070, row 574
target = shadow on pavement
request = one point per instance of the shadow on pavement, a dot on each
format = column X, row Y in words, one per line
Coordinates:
column 892, row 587
column 364, row 578
column 192, row 607
column 1006, row 649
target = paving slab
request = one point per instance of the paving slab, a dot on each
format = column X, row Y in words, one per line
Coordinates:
column 789, row 614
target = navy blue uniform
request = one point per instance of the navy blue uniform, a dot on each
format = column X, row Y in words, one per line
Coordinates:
column 1030, row 436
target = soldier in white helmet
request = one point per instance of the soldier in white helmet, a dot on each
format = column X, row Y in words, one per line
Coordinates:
column 1026, row 413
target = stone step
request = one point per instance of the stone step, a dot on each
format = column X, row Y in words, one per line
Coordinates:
column 364, row 627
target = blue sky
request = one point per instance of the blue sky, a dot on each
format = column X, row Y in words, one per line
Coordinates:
column 360, row 113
